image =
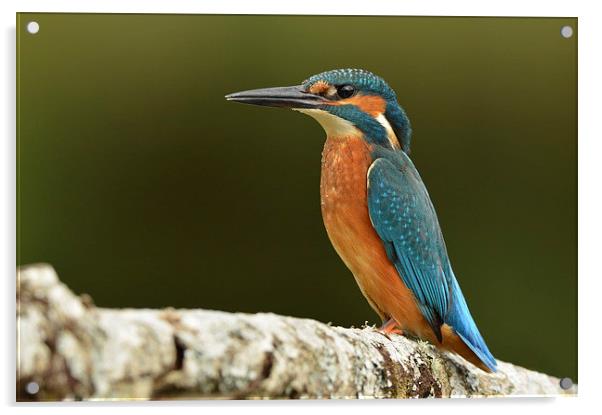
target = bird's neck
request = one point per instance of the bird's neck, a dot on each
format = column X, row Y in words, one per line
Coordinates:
column 375, row 128
column 333, row 125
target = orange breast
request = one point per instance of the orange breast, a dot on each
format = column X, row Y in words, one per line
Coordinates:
column 343, row 190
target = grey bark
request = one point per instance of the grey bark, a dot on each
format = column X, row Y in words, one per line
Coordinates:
column 72, row 350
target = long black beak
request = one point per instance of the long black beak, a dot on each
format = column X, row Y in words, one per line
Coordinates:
column 286, row 96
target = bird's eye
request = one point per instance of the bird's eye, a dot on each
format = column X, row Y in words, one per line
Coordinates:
column 345, row 91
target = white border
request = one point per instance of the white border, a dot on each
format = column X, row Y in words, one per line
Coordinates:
column 384, row 7
column 590, row 208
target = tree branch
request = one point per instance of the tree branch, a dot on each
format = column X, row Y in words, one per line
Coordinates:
column 74, row 350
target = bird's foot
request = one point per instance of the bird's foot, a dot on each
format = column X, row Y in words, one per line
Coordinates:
column 390, row 327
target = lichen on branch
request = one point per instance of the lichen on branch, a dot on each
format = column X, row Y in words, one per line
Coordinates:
column 72, row 350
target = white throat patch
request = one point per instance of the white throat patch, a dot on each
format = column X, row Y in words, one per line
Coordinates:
column 333, row 125
column 339, row 127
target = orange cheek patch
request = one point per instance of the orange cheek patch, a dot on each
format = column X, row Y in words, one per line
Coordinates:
column 371, row 104
column 319, row 87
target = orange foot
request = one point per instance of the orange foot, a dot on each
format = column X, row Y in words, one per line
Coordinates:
column 390, row 327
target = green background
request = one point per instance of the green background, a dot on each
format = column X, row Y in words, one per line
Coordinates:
column 145, row 188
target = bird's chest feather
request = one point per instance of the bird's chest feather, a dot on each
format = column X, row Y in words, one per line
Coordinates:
column 343, row 185
column 343, row 191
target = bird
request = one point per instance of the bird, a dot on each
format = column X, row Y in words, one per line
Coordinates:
column 377, row 211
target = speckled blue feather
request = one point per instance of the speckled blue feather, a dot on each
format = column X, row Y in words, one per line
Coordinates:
column 404, row 217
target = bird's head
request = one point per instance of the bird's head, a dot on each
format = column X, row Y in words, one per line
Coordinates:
column 345, row 102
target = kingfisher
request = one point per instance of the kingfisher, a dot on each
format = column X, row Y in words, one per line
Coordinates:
column 377, row 211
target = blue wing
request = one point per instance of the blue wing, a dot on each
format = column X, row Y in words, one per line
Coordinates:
column 403, row 215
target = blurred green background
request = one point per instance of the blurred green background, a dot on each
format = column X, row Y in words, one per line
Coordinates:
column 145, row 188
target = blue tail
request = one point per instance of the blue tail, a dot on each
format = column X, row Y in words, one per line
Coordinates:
column 460, row 319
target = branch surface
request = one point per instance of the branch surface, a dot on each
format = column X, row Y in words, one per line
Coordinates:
column 73, row 350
